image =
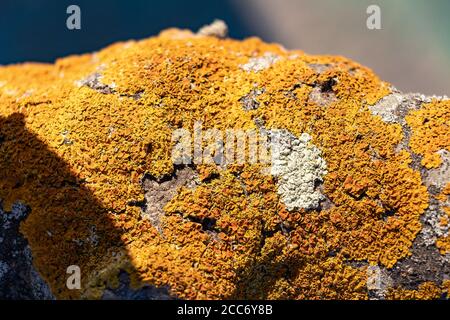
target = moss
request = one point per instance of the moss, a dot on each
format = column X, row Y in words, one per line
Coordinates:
column 256, row 249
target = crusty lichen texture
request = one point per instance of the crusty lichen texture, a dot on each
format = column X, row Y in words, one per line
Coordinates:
column 78, row 136
column 431, row 131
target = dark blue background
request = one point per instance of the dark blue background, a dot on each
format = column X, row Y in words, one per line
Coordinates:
column 35, row 30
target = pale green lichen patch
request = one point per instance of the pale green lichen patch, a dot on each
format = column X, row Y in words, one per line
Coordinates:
column 299, row 168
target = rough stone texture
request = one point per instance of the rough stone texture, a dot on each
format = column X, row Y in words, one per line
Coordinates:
column 355, row 204
column 18, row 278
column 158, row 192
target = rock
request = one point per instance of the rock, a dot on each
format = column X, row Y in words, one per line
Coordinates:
column 18, row 277
column 353, row 203
column 217, row 29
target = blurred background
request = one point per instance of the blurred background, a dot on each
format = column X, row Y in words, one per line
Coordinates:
column 412, row 50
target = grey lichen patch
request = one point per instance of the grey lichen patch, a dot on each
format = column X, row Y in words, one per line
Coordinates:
column 299, row 167
column 93, row 81
column 257, row 64
column 218, row 29
column 158, row 192
column 250, row 101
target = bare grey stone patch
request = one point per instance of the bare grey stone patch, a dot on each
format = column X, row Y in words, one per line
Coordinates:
column 438, row 177
column 18, row 277
column 158, row 192
column 66, row 140
column 92, row 239
column 387, row 106
column 257, row 64
column 218, row 29
column 424, row 264
column 432, row 228
column 249, row 101
column 321, row 97
column 378, row 282
column 93, row 81
column 394, row 107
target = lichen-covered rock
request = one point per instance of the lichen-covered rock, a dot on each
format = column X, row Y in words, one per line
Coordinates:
column 355, row 207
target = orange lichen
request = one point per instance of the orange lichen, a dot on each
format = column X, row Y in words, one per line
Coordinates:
column 430, row 131
column 443, row 243
column 93, row 148
column 426, row 291
column 446, row 288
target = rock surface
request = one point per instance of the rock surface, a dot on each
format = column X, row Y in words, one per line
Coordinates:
column 356, row 208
